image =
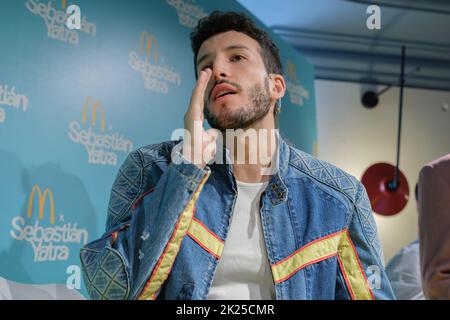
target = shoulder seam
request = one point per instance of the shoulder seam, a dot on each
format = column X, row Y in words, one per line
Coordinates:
column 353, row 200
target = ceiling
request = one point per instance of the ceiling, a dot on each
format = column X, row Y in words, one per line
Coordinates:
column 332, row 35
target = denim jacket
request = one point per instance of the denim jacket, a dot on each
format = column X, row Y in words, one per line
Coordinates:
column 167, row 225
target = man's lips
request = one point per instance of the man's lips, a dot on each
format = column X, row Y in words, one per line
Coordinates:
column 224, row 98
column 222, row 89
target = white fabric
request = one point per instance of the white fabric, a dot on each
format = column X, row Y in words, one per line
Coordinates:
column 404, row 273
column 244, row 271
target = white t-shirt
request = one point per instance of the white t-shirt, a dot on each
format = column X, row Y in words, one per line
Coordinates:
column 244, row 272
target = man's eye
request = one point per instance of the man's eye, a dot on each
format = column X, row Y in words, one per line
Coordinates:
column 206, row 66
column 236, row 58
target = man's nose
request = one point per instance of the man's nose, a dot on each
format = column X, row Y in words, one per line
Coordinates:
column 219, row 71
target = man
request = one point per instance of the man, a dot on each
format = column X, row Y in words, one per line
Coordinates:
column 434, row 228
column 277, row 224
column 403, row 270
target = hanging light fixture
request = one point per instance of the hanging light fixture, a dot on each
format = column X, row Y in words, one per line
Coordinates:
column 387, row 187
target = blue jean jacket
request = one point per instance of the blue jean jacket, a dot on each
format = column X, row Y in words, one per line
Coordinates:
column 167, row 224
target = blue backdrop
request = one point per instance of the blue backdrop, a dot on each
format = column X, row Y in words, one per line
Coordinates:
column 73, row 103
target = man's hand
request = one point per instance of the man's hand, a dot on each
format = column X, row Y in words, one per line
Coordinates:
column 199, row 146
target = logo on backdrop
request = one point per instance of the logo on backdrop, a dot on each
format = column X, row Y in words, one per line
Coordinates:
column 297, row 93
column 48, row 238
column 102, row 144
column 188, row 12
column 56, row 19
column 9, row 98
column 157, row 75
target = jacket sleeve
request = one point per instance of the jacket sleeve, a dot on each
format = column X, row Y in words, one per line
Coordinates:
column 434, row 229
column 145, row 226
column 360, row 254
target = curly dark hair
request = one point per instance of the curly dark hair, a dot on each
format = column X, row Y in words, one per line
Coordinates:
column 219, row 22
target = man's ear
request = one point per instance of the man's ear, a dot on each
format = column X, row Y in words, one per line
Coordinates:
column 277, row 86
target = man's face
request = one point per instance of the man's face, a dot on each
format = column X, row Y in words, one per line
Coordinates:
column 238, row 91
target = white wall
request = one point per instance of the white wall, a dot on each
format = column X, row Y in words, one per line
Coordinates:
column 353, row 138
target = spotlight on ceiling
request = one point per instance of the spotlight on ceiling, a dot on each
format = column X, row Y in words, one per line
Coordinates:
column 369, row 99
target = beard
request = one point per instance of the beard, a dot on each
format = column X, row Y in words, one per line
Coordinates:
column 245, row 115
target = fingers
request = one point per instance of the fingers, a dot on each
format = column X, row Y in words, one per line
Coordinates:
column 193, row 119
column 198, row 95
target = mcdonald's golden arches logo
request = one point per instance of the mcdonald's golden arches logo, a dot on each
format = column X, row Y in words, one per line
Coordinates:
column 291, row 71
column 42, row 197
column 96, row 106
column 147, row 43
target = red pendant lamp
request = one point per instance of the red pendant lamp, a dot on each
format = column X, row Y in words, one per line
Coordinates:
column 386, row 185
column 384, row 199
